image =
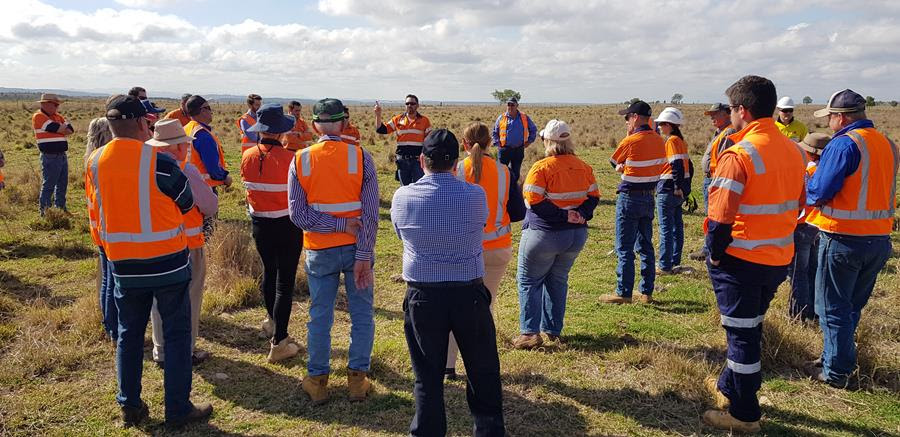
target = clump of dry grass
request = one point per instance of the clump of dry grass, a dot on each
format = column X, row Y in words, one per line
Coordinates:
column 53, row 219
column 233, row 268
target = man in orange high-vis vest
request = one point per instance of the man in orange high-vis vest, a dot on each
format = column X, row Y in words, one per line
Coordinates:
column 513, row 132
column 300, row 136
column 411, row 128
column 350, row 134
column 206, row 151
column 264, row 170
column 854, row 192
column 754, row 200
column 333, row 197
column 138, row 197
column 248, row 119
column 720, row 116
column 170, row 140
column 180, row 113
column 640, row 158
column 50, row 131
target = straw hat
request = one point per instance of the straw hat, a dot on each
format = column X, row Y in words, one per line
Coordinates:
column 49, row 97
column 168, row 133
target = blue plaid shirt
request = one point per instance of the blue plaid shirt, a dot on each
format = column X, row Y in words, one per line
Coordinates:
column 440, row 220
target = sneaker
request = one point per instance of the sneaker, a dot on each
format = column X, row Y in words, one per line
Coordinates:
column 528, row 341
column 645, row 298
column 725, row 421
column 200, row 413
column 268, row 328
column 133, row 416
column 358, row 384
column 719, row 399
column 316, row 387
column 450, row 374
column 283, row 350
column 614, row 299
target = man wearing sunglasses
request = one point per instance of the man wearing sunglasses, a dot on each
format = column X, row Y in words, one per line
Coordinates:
column 411, row 128
column 50, row 131
column 513, row 132
column 787, row 124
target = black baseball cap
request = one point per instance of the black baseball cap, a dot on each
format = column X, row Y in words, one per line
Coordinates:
column 328, row 110
column 441, row 144
column 639, row 107
column 194, row 103
column 125, row 108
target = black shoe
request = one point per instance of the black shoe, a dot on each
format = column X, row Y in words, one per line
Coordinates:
column 200, row 413
column 815, row 371
column 132, row 416
column 450, row 374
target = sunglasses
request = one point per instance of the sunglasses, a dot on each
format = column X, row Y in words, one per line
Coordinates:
column 206, row 108
column 787, row 110
column 411, row 103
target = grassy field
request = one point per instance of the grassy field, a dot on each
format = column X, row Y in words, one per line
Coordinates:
column 625, row 370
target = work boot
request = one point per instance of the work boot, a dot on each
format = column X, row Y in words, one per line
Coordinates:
column 268, row 328
column 725, row 421
column 359, row 384
column 614, row 298
column 661, row 272
column 699, row 255
column 719, row 399
column 132, row 416
column 645, row 298
column 199, row 413
column 283, row 350
column 316, row 387
column 527, row 341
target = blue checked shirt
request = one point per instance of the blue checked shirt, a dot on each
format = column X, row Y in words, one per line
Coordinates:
column 440, row 220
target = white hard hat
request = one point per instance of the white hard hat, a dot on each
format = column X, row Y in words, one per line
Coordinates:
column 785, row 103
column 670, row 115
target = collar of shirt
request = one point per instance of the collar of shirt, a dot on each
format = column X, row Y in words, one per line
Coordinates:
column 329, row 138
column 642, row 128
column 858, row 124
column 208, row 127
column 269, row 141
column 251, row 114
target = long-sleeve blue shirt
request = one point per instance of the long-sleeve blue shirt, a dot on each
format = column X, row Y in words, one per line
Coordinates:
column 209, row 153
column 839, row 160
column 253, row 136
column 513, row 131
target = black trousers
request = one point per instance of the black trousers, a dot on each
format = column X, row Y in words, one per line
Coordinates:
column 431, row 312
column 512, row 157
column 278, row 242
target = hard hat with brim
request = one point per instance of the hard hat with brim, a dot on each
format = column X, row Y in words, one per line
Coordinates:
column 815, row 142
column 271, row 119
column 845, row 101
column 168, row 133
column 328, row 110
column 49, row 97
column 785, row 103
column 670, row 115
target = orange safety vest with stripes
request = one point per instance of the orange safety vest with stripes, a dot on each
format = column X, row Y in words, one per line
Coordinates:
column 135, row 220
column 179, row 115
column 193, row 221
column 718, row 147
column 298, row 137
column 676, row 150
column 643, row 155
column 264, row 170
column 330, row 173
column 350, row 135
column 39, row 122
column 504, row 127
column 865, row 204
column 193, row 156
column 763, row 229
column 495, row 182
column 246, row 142
column 410, row 132
column 564, row 180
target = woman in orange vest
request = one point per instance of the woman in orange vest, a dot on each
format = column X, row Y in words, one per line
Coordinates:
column 505, row 205
column 561, row 194
column 264, row 170
column 670, row 191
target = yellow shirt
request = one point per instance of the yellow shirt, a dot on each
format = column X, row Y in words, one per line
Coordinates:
column 794, row 130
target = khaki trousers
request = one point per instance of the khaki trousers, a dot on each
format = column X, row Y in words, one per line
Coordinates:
column 198, row 278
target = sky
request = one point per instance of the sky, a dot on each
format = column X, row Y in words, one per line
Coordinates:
column 586, row 51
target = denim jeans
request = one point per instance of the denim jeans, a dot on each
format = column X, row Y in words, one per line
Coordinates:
column 706, row 182
column 512, row 157
column 55, row 172
column 134, row 312
column 848, row 267
column 545, row 258
column 634, row 230
column 323, row 271
column 671, row 230
column 802, row 272
column 108, row 311
column 408, row 170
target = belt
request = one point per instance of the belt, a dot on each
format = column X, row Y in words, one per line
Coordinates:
column 407, row 156
column 54, row 153
column 447, row 284
column 638, row 192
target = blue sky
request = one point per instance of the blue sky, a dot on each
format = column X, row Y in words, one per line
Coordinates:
column 591, row 51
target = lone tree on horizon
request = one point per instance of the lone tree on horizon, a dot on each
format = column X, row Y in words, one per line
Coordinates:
column 807, row 100
column 503, row 96
column 677, row 98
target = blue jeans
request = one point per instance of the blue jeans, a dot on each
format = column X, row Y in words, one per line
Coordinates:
column 706, row 181
column 408, row 170
column 802, row 272
column 323, row 271
column 671, row 230
column 512, row 157
column 174, row 306
column 545, row 258
column 848, row 267
column 108, row 310
column 634, row 230
column 55, row 173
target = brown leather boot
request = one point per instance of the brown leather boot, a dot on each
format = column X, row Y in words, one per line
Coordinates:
column 283, row 350
column 359, row 384
column 725, row 421
column 317, row 388
column 528, row 341
column 614, row 298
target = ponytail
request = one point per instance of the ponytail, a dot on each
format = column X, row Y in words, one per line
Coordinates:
column 477, row 154
column 478, row 135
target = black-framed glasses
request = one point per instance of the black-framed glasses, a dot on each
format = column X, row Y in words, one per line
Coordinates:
column 733, row 107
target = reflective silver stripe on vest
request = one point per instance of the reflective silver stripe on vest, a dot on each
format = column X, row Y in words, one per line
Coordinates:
column 737, row 322
column 259, row 186
column 352, row 164
column 336, row 207
column 647, row 163
column 727, row 184
column 193, row 232
column 144, row 188
column 534, row 189
column 771, row 208
column 461, row 171
column 752, row 244
column 758, row 166
column 304, row 163
column 746, row 369
column 501, row 206
column 861, row 213
column 567, row 195
column 95, row 158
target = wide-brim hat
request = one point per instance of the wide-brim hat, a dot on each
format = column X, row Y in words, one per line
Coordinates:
column 49, row 97
column 815, row 142
column 270, row 118
column 168, row 132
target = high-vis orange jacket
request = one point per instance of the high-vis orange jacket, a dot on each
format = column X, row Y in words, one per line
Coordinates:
column 298, row 137
column 865, row 204
column 643, row 155
column 676, row 150
column 264, row 170
column 350, row 134
column 410, row 131
column 565, row 180
column 330, row 173
column 720, row 143
column 495, row 182
column 246, row 142
column 52, row 142
column 193, row 156
column 504, row 128
column 179, row 115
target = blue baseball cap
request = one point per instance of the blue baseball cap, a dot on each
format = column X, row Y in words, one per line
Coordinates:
column 271, row 119
column 842, row 102
column 151, row 107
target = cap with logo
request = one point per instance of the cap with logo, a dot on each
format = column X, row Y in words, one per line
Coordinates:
column 125, row 108
column 842, row 102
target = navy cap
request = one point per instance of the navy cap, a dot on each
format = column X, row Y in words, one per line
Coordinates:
column 842, row 102
column 194, row 103
column 125, row 108
column 639, row 107
column 151, row 107
column 512, row 100
column 441, row 144
column 271, row 119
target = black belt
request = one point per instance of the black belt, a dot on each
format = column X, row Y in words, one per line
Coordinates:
column 447, row 284
column 638, row 192
column 54, row 153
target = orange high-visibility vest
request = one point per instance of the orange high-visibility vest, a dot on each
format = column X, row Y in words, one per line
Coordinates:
column 565, row 180
column 495, row 182
column 193, row 228
column 763, row 229
column 676, row 150
column 504, row 128
column 179, row 115
column 39, row 122
column 93, row 219
column 350, row 135
column 865, row 204
column 298, row 137
column 717, row 144
column 193, row 156
column 135, row 219
column 330, row 173
column 264, row 170
column 410, row 132
column 643, row 155
column 246, row 142
column 810, row 171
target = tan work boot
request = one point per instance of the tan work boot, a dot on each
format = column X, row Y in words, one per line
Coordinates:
column 316, row 387
column 528, row 341
column 359, row 384
column 719, row 399
column 283, row 350
column 723, row 420
column 614, row 298
column 645, row 298
column 268, row 328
